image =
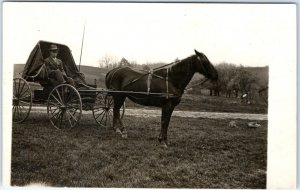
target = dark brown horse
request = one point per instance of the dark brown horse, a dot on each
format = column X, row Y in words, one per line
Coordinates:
column 171, row 79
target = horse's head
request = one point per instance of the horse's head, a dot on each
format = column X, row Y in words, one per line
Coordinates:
column 205, row 67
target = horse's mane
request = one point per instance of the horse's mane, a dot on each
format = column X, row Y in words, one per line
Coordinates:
column 175, row 67
column 182, row 64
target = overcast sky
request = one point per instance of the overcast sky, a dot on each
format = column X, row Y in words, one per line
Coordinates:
column 248, row 34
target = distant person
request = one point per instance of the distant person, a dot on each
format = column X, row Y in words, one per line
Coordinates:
column 55, row 68
column 245, row 98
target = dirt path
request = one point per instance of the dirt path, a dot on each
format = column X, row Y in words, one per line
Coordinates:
column 197, row 114
column 189, row 114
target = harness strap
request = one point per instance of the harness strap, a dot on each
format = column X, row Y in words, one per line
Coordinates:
column 133, row 81
column 147, row 71
column 150, row 73
column 167, row 65
column 167, row 82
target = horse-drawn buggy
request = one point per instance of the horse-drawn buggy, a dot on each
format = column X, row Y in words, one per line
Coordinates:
column 64, row 102
column 161, row 87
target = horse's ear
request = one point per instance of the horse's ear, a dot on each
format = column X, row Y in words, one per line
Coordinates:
column 197, row 53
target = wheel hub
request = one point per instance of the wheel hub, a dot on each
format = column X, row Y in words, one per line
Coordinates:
column 63, row 107
column 107, row 107
column 16, row 102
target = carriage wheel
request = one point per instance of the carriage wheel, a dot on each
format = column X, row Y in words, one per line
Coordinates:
column 22, row 100
column 64, row 107
column 103, row 110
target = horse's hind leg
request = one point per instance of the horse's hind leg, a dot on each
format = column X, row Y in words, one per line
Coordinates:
column 117, row 122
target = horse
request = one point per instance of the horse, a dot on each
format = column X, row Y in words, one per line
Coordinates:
column 170, row 80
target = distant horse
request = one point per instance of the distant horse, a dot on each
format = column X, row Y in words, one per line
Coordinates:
column 171, row 80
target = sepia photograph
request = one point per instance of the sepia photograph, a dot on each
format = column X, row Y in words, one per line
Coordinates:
column 149, row 95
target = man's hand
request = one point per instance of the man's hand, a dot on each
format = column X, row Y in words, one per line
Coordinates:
column 64, row 73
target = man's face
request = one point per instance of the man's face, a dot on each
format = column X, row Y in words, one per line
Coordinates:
column 53, row 53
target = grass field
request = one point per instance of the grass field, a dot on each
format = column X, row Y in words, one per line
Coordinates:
column 202, row 153
column 213, row 104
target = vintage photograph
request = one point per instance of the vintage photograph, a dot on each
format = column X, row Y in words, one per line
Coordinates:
column 143, row 95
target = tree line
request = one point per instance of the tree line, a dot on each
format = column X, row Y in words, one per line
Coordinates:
column 234, row 80
column 238, row 81
column 110, row 62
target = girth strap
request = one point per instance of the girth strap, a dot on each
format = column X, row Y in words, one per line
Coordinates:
column 150, row 73
column 167, row 83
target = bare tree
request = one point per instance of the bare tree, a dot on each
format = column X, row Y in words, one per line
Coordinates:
column 246, row 80
column 176, row 59
column 226, row 72
column 146, row 67
column 124, row 62
column 133, row 63
column 108, row 61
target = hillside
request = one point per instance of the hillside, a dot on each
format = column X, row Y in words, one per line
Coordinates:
column 94, row 73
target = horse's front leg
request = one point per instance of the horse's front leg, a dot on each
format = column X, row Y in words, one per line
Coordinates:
column 167, row 111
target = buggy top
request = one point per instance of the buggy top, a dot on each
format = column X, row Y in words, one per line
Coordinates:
column 35, row 70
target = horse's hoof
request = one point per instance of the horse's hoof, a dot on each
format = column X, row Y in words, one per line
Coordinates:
column 124, row 136
column 119, row 132
column 163, row 145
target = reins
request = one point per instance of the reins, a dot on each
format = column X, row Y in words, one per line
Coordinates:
column 197, row 84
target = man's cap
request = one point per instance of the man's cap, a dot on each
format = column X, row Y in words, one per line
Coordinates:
column 53, row 47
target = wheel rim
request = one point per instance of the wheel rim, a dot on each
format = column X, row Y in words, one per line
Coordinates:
column 22, row 100
column 103, row 110
column 64, row 107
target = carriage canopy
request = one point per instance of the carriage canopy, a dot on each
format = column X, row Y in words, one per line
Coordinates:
column 35, row 70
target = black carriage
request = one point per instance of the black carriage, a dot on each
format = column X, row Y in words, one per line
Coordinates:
column 64, row 102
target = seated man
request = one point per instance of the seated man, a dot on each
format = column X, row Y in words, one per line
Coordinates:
column 55, row 68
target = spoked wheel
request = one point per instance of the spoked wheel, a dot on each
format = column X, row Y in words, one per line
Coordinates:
column 22, row 100
column 64, row 107
column 103, row 110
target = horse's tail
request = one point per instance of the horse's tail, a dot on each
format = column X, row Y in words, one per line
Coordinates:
column 109, row 77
